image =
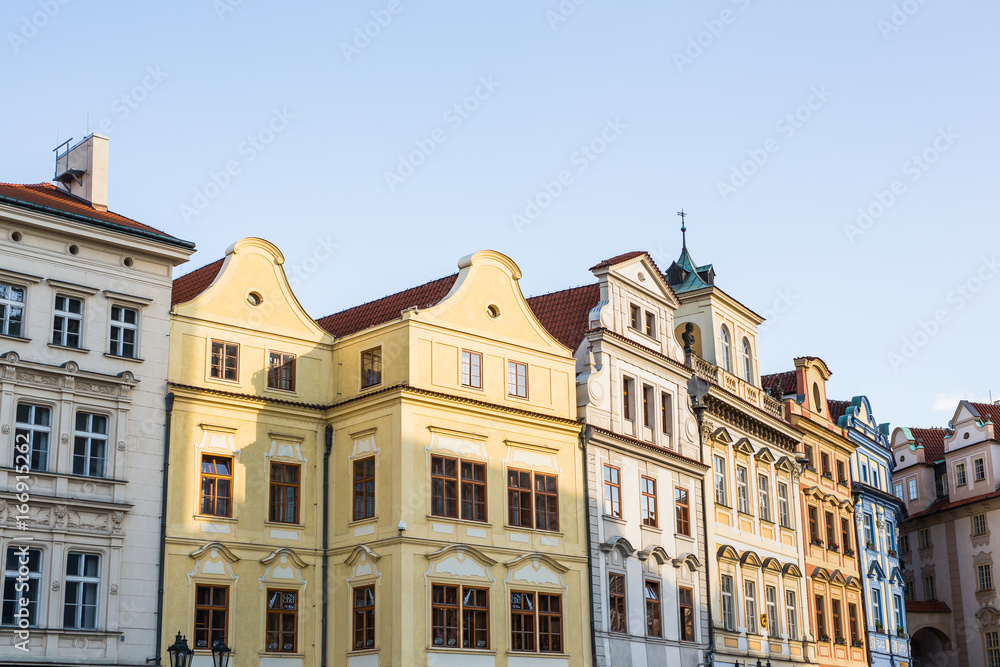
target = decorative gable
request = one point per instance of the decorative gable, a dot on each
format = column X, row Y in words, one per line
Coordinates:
column 459, row 562
column 536, row 569
column 282, row 565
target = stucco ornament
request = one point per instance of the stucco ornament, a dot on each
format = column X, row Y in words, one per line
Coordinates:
column 56, row 585
column 988, row 617
column 121, row 445
column 5, row 429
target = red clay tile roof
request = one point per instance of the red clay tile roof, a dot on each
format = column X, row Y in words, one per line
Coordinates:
column 943, row 504
column 565, row 313
column 192, row 284
column 926, row 606
column 387, row 308
column 933, row 441
column 45, row 196
column 786, row 381
column 990, row 411
column 618, row 259
column 837, row 409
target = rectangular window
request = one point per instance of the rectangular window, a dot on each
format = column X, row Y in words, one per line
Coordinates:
column 284, row 503
column 519, row 505
column 791, row 620
column 764, row 497
column 831, row 531
column 473, row 491
column 890, row 534
column 810, row 457
column 90, row 444
column 20, row 592
column 784, row 512
column 282, row 621
column 814, row 525
column 445, row 491
column 522, row 621
column 877, row 607
column 628, row 395
column 216, row 485
column 225, row 361
column 647, row 488
column 650, row 324
column 924, row 537
column 845, row 534
column 281, row 371
column 211, row 614
column 929, row 592
column 648, row 406
column 979, row 524
column 682, row 507
column 520, row 500
column 984, row 576
column 11, row 310
column 685, row 598
column 472, row 369
column 635, row 314
column 904, row 544
column 960, row 474
column 852, row 621
column 869, row 531
column 371, row 367
column 771, row 597
column 444, row 487
column 612, row 491
column 67, row 323
column 124, row 332
column 654, row 614
column 838, row 626
column 750, row 605
column 728, row 609
column 913, row 489
column 841, row 472
column 742, row 492
column 444, row 616
column 550, row 623
column 666, row 413
column 821, row 619
column 364, row 489
column 898, row 488
column 720, row 481
column 475, row 618
column 825, row 459
column 453, row 616
column 897, row 605
column 32, row 429
column 992, row 642
column 616, row 599
column 83, row 578
column 517, row 379
column 546, row 502
column 364, row 618
column 979, row 468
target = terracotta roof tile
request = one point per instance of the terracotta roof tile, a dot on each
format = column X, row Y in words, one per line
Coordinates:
column 837, row 409
column 192, row 284
column 565, row 313
column 927, row 606
column 780, row 384
column 932, row 440
column 387, row 308
column 47, row 196
column 618, row 259
column 989, row 410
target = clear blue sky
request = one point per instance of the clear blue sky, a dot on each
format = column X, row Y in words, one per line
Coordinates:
column 892, row 78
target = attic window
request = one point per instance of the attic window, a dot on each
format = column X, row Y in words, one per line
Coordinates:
column 493, row 311
column 255, row 299
column 817, row 405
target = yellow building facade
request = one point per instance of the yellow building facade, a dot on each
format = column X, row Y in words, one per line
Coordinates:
column 445, row 420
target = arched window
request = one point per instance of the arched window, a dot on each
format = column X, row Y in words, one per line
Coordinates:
column 747, row 361
column 727, row 355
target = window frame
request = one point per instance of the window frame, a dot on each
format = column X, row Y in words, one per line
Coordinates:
column 617, row 607
column 666, row 413
column 743, row 490
column 284, row 370
column 791, row 614
column 371, row 367
column 836, row 618
column 682, row 509
column 211, row 610
column 960, row 477
column 365, row 613
column 764, row 497
column 648, row 510
column 685, row 612
column 218, row 361
column 726, row 356
column 750, row 605
column 628, row 398
column 773, row 619
column 537, row 509
column 612, row 491
column 459, row 609
column 475, row 380
column 653, row 596
column 984, row 577
column 721, row 480
column 283, row 484
column 747, row 354
column 363, row 489
column 536, row 633
column 979, row 525
column 650, row 329
column 11, row 607
column 61, row 319
column 820, row 617
column 281, row 613
column 648, row 405
column 852, row 622
column 83, row 582
column 202, row 476
column 979, row 469
column 930, row 589
column 122, row 326
column 7, row 304
column 727, row 588
column 516, row 367
column 89, row 438
column 784, row 507
column 912, row 484
column 30, row 429
column 812, row 517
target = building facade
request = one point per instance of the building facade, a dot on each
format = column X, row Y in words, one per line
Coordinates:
column 756, row 569
column 881, row 511
column 645, row 477
column 84, row 324
column 949, row 479
column 828, row 516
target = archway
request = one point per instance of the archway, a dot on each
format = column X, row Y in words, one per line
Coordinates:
column 932, row 648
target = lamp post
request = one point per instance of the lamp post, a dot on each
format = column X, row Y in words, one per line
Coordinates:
column 220, row 654
column 180, row 654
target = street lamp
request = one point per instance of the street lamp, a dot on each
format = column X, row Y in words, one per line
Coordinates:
column 220, row 654
column 180, row 654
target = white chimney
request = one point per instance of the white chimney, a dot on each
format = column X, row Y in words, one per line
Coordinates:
column 83, row 170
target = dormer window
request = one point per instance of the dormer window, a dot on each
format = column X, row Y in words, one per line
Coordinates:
column 747, row 361
column 725, row 352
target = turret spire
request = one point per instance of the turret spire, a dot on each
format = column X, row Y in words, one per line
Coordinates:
column 683, row 229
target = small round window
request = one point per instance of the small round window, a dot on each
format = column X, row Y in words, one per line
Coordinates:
column 255, row 299
column 493, row 311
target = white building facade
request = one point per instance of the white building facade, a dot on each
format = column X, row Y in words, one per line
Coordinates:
column 84, row 301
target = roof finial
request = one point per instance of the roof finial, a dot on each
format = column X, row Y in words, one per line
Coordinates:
column 683, row 228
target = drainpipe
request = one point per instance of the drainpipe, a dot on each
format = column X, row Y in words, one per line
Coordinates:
column 168, row 403
column 584, row 439
column 326, row 534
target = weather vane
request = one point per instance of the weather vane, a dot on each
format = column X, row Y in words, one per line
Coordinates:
column 683, row 227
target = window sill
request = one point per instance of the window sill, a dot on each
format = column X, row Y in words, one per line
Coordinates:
column 20, row 338
column 614, row 519
column 281, row 392
column 728, row 507
column 364, row 651
column 82, row 350
column 689, row 538
column 359, row 522
column 458, row 520
column 768, row 521
column 539, row 654
column 85, row 478
column 462, row 651
column 746, row 514
column 539, row 531
column 277, row 654
column 118, row 356
column 212, row 517
column 282, row 524
column 652, row 529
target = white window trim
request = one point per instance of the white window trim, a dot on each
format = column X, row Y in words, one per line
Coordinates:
column 124, row 326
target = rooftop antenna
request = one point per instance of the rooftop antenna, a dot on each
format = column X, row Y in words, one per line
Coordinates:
column 683, row 215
